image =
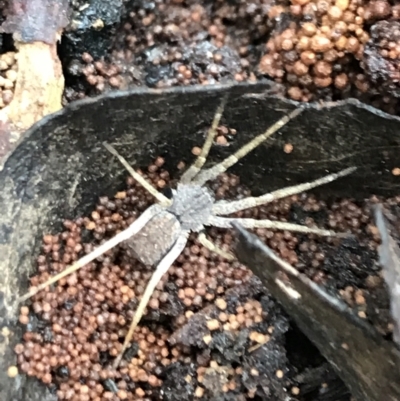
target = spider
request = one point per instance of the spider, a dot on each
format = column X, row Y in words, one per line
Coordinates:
column 159, row 235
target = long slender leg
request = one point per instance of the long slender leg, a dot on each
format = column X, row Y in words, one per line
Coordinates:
column 213, row 248
column 134, row 228
column 163, row 200
column 215, row 171
column 225, row 222
column 226, row 207
column 193, row 170
column 161, row 269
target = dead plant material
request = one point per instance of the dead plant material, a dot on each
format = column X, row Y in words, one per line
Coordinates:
column 36, row 26
column 389, row 258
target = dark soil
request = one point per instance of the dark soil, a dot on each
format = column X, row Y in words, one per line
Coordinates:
column 251, row 348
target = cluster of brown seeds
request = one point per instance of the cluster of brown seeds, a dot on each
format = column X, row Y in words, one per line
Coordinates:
column 223, row 135
column 318, row 48
column 333, row 49
column 176, row 43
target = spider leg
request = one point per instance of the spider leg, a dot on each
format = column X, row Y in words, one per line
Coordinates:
column 213, row 248
column 161, row 269
column 226, row 207
column 225, row 222
column 134, row 228
column 193, row 170
column 163, row 200
column 215, row 171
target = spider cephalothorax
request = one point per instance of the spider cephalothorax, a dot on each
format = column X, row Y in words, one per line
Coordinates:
column 192, row 205
column 159, row 235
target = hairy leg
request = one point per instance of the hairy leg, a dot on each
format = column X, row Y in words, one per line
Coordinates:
column 161, row 269
column 194, row 169
column 228, row 207
column 163, row 200
column 225, row 222
column 134, row 228
column 213, row 248
column 215, row 171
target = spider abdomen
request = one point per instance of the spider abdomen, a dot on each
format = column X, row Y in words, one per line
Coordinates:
column 155, row 239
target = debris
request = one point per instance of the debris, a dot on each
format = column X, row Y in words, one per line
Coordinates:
column 389, row 258
column 36, row 26
column 12, row 371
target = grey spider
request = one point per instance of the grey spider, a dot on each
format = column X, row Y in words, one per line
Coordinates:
column 160, row 233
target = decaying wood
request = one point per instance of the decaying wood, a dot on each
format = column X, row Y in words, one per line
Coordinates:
column 389, row 258
column 36, row 26
column 39, row 85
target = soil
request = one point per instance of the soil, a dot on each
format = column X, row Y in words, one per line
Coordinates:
column 221, row 335
column 126, row 44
